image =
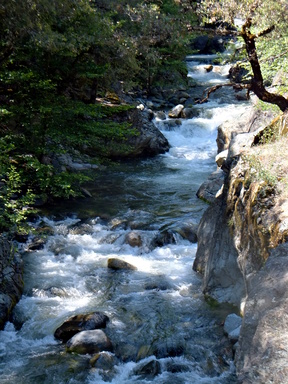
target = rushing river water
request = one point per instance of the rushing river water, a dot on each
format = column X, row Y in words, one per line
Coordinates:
column 160, row 326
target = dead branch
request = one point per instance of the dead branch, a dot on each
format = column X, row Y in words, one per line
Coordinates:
column 236, row 87
column 257, row 83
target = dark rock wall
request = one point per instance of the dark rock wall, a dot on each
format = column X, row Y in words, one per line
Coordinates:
column 11, row 283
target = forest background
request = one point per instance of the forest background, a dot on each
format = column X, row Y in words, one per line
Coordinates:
column 59, row 60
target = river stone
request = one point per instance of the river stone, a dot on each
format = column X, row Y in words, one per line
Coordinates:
column 148, row 370
column 232, row 327
column 160, row 115
column 216, row 256
column 209, row 68
column 211, row 188
column 145, row 141
column 223, row 136
column 133, row 239
column 176, row 111
column 168, row 124
column 168, row 348
column 160, row 283
column 56, row 291
column 189, row 113
column 189, row 103
column 221, row 157
column 80, row 323
column 117, row 264
column 163, row 238
column 144, row 351
column 89, row 342
column 104, row 360
column 187, row 230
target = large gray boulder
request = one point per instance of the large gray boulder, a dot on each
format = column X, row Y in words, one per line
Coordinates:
column 211, row 188
column 262, row 354
column 148, row 142
column 216, row 257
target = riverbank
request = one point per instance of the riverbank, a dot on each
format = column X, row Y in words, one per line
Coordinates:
column 242, row 246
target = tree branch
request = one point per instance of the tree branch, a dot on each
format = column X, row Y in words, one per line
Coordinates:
column 236, row 87
column 257, row 83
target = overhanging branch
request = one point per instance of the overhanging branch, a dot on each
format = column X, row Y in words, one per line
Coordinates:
column 236, row 87
column 257, row 82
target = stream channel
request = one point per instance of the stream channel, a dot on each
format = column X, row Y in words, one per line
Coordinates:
column 162, row 329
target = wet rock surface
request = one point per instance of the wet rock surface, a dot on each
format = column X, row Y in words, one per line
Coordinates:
column 80, row 323
column 11, row 283
column 89, row 342
column 117, row 264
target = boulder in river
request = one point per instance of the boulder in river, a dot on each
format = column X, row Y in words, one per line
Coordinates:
column 133, row 239
column 104, row 360
column 232, row 327
column 148, row 141
column 176, row 111
column 80, row 323
column 189, row 113
column 148, row 370
column 211, row 188
column 89, row 342
column 117, row 264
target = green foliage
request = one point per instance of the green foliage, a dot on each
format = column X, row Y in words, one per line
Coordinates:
column 56, row 58
column 23, row 179
column 272, row 47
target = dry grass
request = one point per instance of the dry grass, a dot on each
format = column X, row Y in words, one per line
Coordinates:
column 271, row 163
column 268, row 165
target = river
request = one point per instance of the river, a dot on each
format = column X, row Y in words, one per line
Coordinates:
column 158, row 316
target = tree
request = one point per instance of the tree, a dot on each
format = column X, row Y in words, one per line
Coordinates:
column 57, row 60
column 256, row 9
column 257, row 83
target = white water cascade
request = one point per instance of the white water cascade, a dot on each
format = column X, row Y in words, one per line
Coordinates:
column 158, row 317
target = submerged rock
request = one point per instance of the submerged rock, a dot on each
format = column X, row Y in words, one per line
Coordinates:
column 161, row 115
column 80, row 323
column 148, row 370
column 133, row 239
column 104, row 361
column 189, row 113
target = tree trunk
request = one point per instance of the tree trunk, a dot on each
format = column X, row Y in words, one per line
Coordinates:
column 257, row 84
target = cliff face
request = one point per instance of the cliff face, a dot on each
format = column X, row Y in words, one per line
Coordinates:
column 242, row 250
